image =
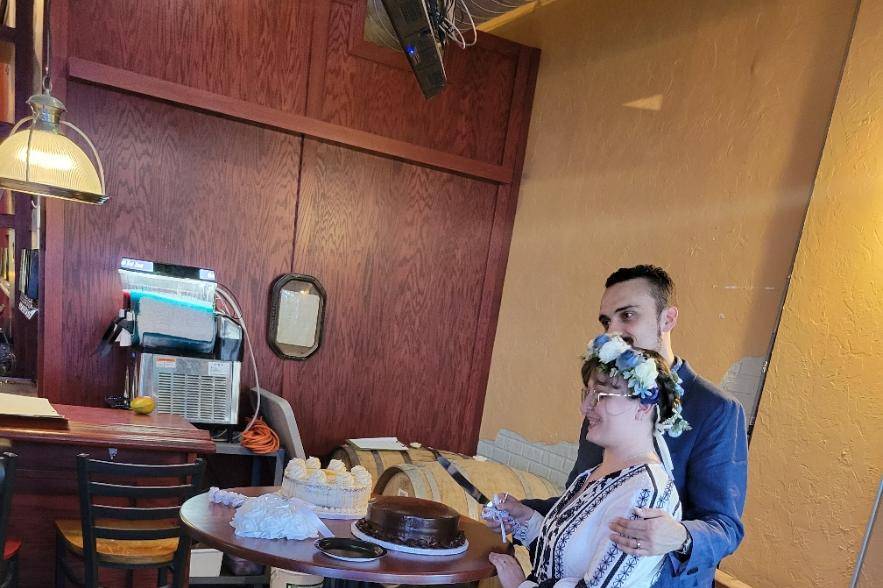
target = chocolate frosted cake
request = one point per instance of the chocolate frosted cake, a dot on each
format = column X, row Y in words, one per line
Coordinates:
column 412, row 522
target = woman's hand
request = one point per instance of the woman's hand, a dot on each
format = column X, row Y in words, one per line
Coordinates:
column 513, row 507
column 508, row 569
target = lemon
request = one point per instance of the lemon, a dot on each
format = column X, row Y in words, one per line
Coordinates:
column 143, row 404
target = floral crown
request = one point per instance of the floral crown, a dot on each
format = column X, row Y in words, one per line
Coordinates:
column 617, row 358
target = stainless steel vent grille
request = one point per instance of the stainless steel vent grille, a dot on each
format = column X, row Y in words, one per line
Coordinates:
column 200, row 390
column 197, row 398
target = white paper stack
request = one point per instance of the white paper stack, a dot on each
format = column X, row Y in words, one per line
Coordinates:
column 27, row 406
column 381, row 443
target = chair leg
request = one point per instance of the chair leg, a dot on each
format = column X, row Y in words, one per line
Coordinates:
column 130, row 578
column 161, row 576
column 59, row 561
column 13, row 563
column 177, row 577
column 181, row 567
column 7, row 573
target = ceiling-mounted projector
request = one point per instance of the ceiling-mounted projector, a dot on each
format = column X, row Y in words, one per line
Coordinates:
column 417, row 24
column 422, row 28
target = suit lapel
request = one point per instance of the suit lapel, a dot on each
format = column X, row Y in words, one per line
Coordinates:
column 688, row 376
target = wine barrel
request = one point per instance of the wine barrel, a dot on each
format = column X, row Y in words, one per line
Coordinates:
column 376, row 461
column 430, row 480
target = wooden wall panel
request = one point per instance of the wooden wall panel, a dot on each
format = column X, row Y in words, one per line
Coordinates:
column 255, row 50
column 501, row 233
column 401, row 251
column 186, row 188
column 469, row 118
column 412, row 257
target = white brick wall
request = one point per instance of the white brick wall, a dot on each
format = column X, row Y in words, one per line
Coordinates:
column 552, row 462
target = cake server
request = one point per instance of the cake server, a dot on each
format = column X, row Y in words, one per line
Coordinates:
column 461, row 480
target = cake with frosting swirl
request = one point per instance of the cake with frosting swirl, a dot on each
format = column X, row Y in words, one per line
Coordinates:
column 334, row 489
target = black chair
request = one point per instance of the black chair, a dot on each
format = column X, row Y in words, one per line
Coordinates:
column 132, row 535
column 9, row 560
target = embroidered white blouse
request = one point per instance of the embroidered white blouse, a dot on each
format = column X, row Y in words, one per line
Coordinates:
column 574, row 547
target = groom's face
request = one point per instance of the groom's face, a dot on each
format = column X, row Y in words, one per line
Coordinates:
column 630, row 309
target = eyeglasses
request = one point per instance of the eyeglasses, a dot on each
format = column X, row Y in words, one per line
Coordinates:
column 594, row 396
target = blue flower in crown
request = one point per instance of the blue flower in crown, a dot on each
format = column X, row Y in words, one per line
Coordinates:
column 649, row 396
column 594, row 346
column 627, row 361
column 599, row 341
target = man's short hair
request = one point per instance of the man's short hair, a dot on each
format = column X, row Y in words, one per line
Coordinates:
column 662, row 288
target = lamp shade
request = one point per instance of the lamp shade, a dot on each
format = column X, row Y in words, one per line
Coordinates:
column 40, row 160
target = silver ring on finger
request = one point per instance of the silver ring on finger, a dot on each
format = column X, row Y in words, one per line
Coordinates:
column 637, row 544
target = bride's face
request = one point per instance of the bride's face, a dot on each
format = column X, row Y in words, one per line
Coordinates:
column 612, row 416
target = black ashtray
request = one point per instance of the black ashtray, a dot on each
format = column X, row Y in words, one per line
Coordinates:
column 349, row 549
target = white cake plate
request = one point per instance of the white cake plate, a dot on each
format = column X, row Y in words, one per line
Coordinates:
column 337, row 515
column 406, row 548
column 327, row 514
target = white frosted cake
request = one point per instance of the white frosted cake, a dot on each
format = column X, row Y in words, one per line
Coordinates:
column 334, row 490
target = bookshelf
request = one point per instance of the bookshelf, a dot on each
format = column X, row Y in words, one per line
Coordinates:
column 17, row 82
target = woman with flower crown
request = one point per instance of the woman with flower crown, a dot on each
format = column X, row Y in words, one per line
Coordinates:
column 630, row 398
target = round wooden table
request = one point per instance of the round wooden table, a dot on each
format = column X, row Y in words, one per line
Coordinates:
column 209, row 523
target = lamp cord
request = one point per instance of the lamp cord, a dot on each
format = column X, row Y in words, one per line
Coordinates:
column 47, row 47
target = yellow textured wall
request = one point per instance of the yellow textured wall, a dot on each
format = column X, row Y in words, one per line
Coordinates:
column 817, row 452
column 685, row 133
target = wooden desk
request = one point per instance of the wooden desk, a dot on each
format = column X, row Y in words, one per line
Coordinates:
column 209, row 523
column 46, row 481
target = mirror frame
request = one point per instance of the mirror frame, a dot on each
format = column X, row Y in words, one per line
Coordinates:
column 284, row 350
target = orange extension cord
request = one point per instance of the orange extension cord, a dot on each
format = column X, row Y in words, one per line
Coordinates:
column 260, row 438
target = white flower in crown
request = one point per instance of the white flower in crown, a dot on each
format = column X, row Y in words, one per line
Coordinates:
column 646, row 373
column 612, row 349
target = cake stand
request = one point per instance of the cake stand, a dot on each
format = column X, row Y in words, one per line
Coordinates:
column 389, row 545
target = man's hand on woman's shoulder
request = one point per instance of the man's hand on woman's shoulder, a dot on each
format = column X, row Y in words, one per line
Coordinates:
column 655, row 532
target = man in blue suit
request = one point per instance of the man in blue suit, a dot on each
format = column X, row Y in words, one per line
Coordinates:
column 710, row 461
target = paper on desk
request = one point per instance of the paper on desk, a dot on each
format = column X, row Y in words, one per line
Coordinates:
column 382, row 443
column 26, row 406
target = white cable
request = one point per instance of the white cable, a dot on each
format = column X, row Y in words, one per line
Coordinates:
column 458, row 16
column 228, row 297
column 507, row 6
column 459, row 39
column 465, row 9
column 500, row 7
column 223, row 307
column 454, row 34
column 454, row 11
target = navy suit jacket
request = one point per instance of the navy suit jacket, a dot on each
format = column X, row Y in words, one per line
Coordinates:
column 710, row 469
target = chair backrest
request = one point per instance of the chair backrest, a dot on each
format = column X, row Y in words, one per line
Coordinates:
column 164, row 487
column 278, row 414
column 7, row 480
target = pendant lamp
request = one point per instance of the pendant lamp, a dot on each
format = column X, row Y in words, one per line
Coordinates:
column 40, row 160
